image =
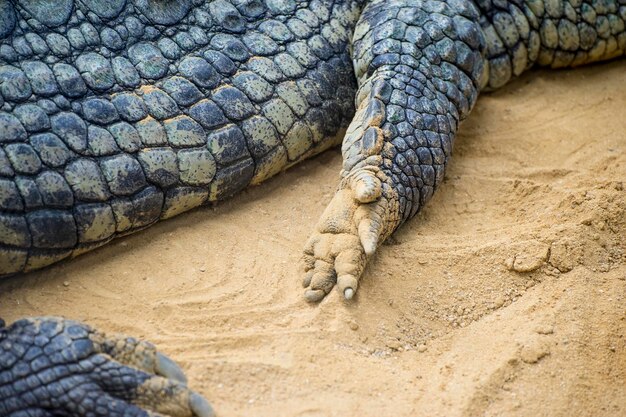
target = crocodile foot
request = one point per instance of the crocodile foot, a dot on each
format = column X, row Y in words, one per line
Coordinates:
column 359, row 217
column 50, row 365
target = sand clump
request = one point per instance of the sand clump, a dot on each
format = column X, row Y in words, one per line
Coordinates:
column 506, row 296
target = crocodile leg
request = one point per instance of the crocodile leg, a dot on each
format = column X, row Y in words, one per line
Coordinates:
column 51, row 366
column 420, row 66
column 419, row 74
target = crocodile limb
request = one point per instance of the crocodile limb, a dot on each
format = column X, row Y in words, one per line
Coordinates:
column 420, row 66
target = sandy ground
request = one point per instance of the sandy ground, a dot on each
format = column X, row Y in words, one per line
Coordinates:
column 505, row 297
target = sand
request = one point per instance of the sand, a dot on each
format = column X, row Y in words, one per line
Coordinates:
column 506, row 296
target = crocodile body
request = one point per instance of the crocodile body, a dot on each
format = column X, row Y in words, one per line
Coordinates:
column 114, row 115
column 117, row 115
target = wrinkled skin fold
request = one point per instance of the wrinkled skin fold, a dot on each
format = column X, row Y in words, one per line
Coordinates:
column 114, row 115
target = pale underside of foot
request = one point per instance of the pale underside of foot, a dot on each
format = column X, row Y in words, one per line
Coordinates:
column 347, row 235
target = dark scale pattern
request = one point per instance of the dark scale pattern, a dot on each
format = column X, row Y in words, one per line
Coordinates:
column 56, row 367
column 45, row 363
column 555, row 33
column 116, row 115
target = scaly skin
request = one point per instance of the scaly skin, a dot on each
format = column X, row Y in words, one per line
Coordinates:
column 56, row 367
column 118, row 114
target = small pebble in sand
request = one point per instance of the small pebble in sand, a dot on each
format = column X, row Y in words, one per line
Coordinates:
column 353, row 325
column 421, row 348
column 66, row 283
column 545, row 329
column 394, row 344
column 534, row 351
column 499, row 302
column 530, row 256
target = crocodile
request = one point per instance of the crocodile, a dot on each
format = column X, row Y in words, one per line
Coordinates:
column 115, row 115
